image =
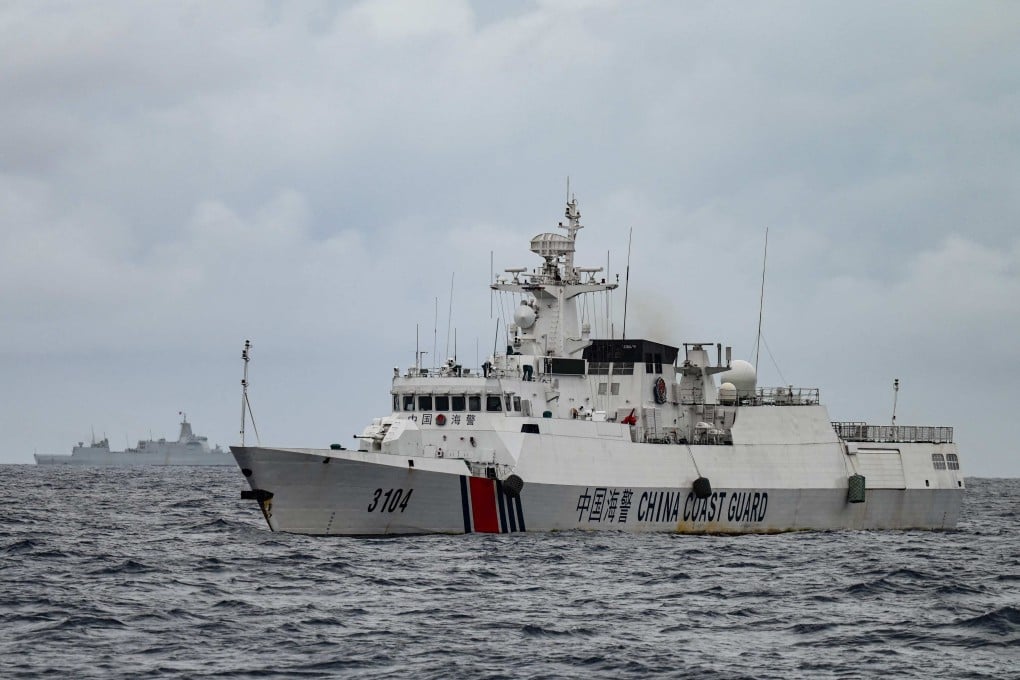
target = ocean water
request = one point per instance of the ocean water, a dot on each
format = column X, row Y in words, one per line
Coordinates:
column 167, row 573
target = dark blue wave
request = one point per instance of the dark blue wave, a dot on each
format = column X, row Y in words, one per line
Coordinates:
column 120, row 574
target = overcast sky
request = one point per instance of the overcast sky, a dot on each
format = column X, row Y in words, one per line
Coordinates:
column 177, row 177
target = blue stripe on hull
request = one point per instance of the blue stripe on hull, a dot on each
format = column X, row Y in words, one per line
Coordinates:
column 465, row 506
column 502, row 510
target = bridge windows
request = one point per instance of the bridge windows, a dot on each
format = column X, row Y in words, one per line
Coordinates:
column 653, row 362
column 952, row 461
column 458, row 403
column 938, row 461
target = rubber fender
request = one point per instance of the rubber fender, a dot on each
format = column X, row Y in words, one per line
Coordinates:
column 702, row 487
column 855, row 489
column 512, row 485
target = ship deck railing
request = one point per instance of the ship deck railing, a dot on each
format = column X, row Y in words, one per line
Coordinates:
column 514, row 373
column 763, row 396
column 863, row 432
column 782, row 396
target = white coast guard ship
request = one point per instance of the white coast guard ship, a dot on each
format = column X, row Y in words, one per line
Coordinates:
column 189, row 449
column 564, row 431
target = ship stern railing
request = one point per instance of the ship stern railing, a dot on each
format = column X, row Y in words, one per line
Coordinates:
column 853, row 431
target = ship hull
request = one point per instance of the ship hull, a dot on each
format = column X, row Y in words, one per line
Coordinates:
column 120, row 459
column 361, row 493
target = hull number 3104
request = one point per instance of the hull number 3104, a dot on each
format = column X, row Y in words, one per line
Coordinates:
column 390, row 500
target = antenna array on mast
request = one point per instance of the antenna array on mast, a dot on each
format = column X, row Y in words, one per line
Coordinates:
column 245, row 403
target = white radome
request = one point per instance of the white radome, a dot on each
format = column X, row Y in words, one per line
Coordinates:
column 742, row 376
column 525, row 316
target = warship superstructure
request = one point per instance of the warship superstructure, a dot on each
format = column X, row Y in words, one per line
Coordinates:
column 189, row 449
column 564, row 431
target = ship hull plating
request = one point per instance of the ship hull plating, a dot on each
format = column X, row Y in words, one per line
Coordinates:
column 360, row 493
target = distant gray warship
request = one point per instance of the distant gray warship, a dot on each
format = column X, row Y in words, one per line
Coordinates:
column 189, row 449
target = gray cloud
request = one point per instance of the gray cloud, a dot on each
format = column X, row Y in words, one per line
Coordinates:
column 177, row 177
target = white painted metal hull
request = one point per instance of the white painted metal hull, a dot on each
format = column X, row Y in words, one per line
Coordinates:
column 363, row 493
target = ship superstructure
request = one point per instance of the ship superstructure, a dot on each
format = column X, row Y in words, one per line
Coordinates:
column 189, row 449
column 565, row 431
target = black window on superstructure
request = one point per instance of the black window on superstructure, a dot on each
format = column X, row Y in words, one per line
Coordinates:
column 623, row 368
column 493, row 402
column 424, row 402
column 649, row 363
column 442, row 402
column 530, row 428
column 408, row 402
column 396, row 403
column 952, row 461
column 458, row 402
column 517, row 403
column 474, row 402
column 508, row 402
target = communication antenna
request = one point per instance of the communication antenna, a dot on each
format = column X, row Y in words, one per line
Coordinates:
column 761, row 301
column 606, row 293
column 245, row 403
column 435, row 334
column 417, row 352
column 449, row 317
column 626, row 284
column 896, row 394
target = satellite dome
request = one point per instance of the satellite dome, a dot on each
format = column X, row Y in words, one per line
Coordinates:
column 525, row 316
column 741, row 376
column 727, row 393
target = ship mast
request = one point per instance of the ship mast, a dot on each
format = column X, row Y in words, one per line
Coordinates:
column 244, row 387
column 547, row 324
